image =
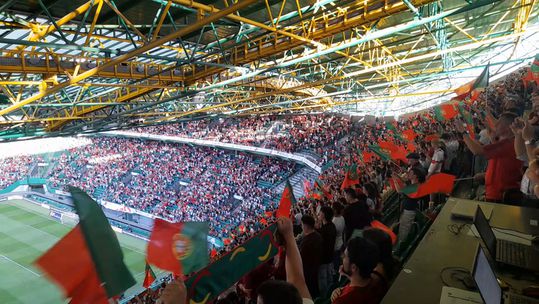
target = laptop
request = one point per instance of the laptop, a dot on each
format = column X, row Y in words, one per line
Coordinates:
column 488, row 285
column 503, row 251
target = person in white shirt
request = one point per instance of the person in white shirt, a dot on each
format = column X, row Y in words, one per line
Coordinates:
column 437, row 159
column 338, row 220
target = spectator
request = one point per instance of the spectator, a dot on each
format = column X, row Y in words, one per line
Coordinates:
column 409, row 206
column 356, row 214
column 437, row 159
column 294, row 290
column 504, row 169
column 338, row 221
column 328, row 232
column 311, row 248
column 359, row 260
column 386, row 266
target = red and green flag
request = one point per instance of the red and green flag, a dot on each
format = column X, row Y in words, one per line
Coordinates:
column 208, row 283
column 437, row 183
column 149, row 276
column 468, row 119
column 384, row 154
column 445, row 112
column 320, row 190
column 535, row 65
column 287, row 200
column 351, row 177
column 396, row 152
column 390, row 126
column 533, row 73
column 409, row 134
column 180, row 248
column 87, row 263
column 473, row 88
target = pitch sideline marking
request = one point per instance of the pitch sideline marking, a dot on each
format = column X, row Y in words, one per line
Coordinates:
column 25, row 208
column 10, row 260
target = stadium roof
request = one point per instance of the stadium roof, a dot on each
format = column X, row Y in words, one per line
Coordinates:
column 69, row 67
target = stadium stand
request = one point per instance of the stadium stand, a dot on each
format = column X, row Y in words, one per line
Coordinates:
column 183, row 183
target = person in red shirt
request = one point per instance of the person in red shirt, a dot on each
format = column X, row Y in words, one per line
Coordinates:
column 503, row 169
column 366, row 286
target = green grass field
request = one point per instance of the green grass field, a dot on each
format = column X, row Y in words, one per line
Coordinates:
column 26, row 231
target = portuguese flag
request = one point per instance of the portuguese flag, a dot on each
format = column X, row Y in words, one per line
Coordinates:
column 409, row 135
column 287, row 200
column 474, row 87
column 445, row 112
column 180, row 248
column 149, row 276
column 320, row 189
column 437, row 183
column 351, row 177
column 395, row 152
column 469, row 120
column 87, row 263
column 383, row 154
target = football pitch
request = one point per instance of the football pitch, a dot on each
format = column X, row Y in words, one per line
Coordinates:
column 26, row 232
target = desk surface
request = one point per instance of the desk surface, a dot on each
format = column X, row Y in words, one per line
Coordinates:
column 420, row 280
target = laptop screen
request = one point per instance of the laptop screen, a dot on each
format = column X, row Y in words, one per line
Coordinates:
column 485, row 232
column 485, row 279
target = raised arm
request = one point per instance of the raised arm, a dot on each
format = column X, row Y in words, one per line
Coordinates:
column 293, row 263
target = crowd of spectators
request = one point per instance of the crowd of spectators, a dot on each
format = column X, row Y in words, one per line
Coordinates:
column 283, row 133
column 500, row 151
column 13, row 169
column 501, row 145
column 177, row 182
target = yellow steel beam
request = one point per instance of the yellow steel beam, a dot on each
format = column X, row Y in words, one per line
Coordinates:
column 70, row 118
column 92, row 84
column 360, row 72
column 94, row 22
column 41, row 31
column 161, row 20
column 327, row 29
column 523, row 14
column 285, row 40
column 117, row 60
column 50, row 66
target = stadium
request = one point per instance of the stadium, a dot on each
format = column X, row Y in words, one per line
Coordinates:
column 175, row 151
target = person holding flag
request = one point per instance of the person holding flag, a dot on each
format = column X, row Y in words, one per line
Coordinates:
column 503, row 169
column 410, row 205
